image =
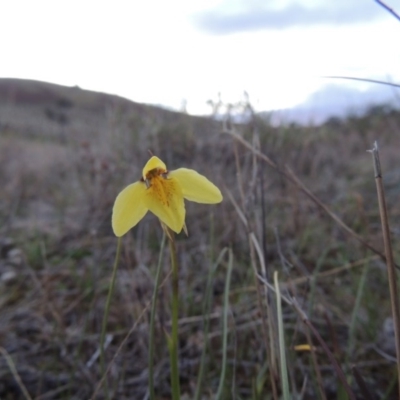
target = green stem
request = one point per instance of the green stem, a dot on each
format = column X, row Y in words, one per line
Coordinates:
column 173, row 341
column 152, row 317
column 106, row 312
column 225, row 328
column 282, row 345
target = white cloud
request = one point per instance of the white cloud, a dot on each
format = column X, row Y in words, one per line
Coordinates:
column 244, row 16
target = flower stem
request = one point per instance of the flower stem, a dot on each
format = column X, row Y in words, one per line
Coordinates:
column 152, row 317
column 106, row 312
column 173, row 340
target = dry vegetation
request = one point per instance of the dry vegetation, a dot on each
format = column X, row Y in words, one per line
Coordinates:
column 66, row 153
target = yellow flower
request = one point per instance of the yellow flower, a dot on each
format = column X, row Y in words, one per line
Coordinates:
column 163, row 193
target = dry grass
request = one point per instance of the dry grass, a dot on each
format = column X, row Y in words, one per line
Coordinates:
column 58, row 183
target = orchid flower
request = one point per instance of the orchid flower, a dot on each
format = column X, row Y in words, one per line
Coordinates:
column 162, row 192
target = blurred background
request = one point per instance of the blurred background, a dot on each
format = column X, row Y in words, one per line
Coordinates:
column 88, row 88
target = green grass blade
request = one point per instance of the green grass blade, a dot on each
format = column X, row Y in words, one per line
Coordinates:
column 282, row 347
column 353, row 322
column 225, row 327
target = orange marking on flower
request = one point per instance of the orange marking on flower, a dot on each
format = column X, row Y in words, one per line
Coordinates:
column 158, row 184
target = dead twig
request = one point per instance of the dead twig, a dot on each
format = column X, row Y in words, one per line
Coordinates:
column 387, row 8
column 394, row 298
column 353, row 78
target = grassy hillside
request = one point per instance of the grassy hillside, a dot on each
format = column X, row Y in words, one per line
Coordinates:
column 65, row 153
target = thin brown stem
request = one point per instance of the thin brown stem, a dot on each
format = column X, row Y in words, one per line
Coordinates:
column 354, row 78
column 392, row 277
column 387, row 8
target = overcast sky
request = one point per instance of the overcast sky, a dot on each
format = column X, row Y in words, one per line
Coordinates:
column 167, row 52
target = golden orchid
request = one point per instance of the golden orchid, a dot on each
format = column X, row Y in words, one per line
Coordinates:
column 162, row 192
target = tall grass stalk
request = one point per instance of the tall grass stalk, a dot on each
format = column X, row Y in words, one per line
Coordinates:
column 225, row 328
column 392, row 276
column 106, row 313
column 152, row 318
column 270, row 330
column 282, row 345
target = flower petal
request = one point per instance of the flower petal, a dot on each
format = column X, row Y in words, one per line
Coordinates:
column 129, row 208
column 196, row 187
column 153, row 163
column 164, row 198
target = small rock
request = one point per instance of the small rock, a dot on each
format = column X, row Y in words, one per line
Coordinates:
column 14, row 257
column 8, row 276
